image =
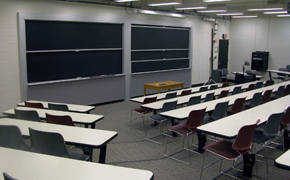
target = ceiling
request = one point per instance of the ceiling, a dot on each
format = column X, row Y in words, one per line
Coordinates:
column 229, row 5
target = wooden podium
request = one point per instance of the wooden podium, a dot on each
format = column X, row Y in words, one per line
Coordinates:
column 163, row 85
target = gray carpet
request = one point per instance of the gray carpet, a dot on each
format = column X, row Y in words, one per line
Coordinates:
column 130, row 149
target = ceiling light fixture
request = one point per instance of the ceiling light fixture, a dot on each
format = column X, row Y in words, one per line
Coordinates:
column 283, row 15
column 245, row 16
column 164, row 4
column 271, row 7
column 125, row 0
column 215, row 0
column 230, row 14
column 143, row 11
column 276, row 12
column 213, row 10
column 191, row 6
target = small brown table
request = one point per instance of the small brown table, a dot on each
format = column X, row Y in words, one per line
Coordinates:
column 163, row 85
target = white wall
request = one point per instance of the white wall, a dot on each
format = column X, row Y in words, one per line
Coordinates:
column 9, row 61
column 261, row 34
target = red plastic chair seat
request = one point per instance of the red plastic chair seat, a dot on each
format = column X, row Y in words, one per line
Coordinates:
column 142, row 110
column 181, row 129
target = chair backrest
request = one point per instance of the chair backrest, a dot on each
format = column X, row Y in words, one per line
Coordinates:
column 170, row 95
column 288, row 68
column 56, row 119
column 149, row 100
column 195, row 118
column 169, row 106
column 251, row 87
column 209, row 97
column 48, row 143
column 280, row 92
column 8, row 177
column 287, row 90
column 273, row 124
column 224, row 93
column 33, row 104
column 266, row 96
column 268, row 83
column 10, row 137
column 30, row 115
column 258, row 85
column 220, row 110
column 237, row 90
column 256, row 100
column 225, row 72
column 194, row 100
column 282, row 69
column 58, row 107
column 225, row 84
column 203, row 88
column 185, row 92
column 212, row 87
column 238, row 105
column 286, row 118
column 244, row 138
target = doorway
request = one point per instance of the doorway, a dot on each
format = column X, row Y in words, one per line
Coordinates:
column 223, row 53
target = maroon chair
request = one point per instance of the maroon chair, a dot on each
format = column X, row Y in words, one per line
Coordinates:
column 287, row 90
column 194, row 120
column 185, row 92
column 61, row 120
column 225, row 84
column 285, row 122
column 266, row 97
column 33, row 104
column 142, row 110
column 238, row 106
column 251, row 87
column 268, row 83
column 224, row 93
column 232, row 150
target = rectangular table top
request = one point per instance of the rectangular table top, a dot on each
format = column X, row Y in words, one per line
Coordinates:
column 73, row 135
column 283, row 161
column 29, row 165
column 229, row 126
column 71, row 107
column 277, row 71
column 76, row 117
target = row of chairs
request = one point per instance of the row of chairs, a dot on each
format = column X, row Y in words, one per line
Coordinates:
column 50, row 143
column 58, row 107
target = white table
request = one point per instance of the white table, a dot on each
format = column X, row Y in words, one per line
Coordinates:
column 28, row 165
column 162, row 95
column 283, row 161
column 91, row 138
column 184, row 99
column 277, row 71
column 71, row 107
column 257, row 76
column 79, row 118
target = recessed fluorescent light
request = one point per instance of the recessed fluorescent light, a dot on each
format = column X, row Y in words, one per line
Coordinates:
column 212, row 11
column 244, row 16
column 276, row 12
column 143, row 11
column 271, row 7
column 125, row 0
column 230, row 14
column 188, row 8
column 283, row 15
column 215, row 0
column 164, row 4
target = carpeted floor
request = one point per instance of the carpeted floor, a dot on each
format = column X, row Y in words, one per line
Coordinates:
column 130, row 149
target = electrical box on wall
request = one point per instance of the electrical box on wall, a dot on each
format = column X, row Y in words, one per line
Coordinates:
column 260, row 60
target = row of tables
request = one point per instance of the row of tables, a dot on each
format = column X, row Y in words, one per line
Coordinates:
column 26, row 165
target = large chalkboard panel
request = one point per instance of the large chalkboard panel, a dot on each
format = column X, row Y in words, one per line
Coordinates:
column 58, row 50
column 53, row 35
column 158, row 48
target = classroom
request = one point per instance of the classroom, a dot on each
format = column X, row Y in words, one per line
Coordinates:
column 122, row 73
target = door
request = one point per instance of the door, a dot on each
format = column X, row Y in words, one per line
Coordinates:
column 223, row 53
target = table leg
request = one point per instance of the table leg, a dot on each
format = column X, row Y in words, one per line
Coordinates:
column 201, row 141
column 270, row 75
column 102, row 156
column 88, row 151
column 249, row 161
column 286, row 140
column 144, row 91
column 93, row 126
